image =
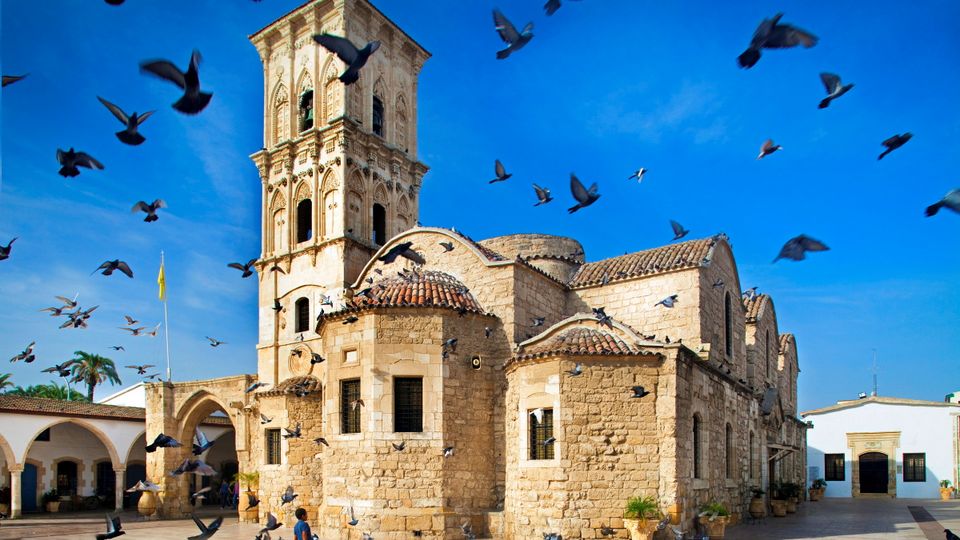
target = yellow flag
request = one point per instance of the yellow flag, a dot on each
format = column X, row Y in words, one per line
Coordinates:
column 162, row 282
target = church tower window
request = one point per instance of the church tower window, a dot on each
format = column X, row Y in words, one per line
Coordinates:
column 302, row 315
column 378, row 116
column 379, row 224
column 541, row 431
column 304, row 220
column 349, row 407
column 306, row 110
column 407, row 404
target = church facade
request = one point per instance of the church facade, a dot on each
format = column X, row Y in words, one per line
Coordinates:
column 469, row 381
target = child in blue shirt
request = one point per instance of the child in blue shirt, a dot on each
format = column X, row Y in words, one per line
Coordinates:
column 301, row 531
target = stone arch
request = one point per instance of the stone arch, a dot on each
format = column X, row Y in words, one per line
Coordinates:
column 356, row 206
column 8, row 454
column 281, row 114
column 303, row 191
column 379, row 114
column 380, row 194
column 133, row 445
column 200, row 402
column 306, row 102
column 107, row 443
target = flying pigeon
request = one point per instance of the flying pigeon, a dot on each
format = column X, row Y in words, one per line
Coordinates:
column 795, row 249
column 134, row 331
column 402, row 250
column 264, row 419
column 5, row 250
column 538, row 321
column 10, row 79
column 27, row 355
column 68, row 303
column 549, row 440
column 538, row 414
column 199, row 495
column 399, row 446
column 60, row 369
column 130, row 135
column 277, row 306
column 109, row 267
column 252, row 500
column 197, row 467
column 895, row 142
column 254, row 386
column 316, row 359
column 288, row 495
column 70, row 160
column 141, row 370
column 585, row 197
column 153, row 376
column 78, row 319
column 149, row 209
column 353, row 519
column 501, row 173
column 508, row 33
column 450, row 345
column 202, row 444
column 447, row 247
column 350, row 320
column 448, row 451
column 130, row 320
column 607, row 531
column 193, row 100
column 639, row 392
column 206, row 531
column 247, row 269
column 750, row 293
column 215, row 342
column 576, row 370
column 834, row 89
column 117, row 347
column 638, row 175
column 292, row 433
column 951, row 201
column 144, row 485
column 602, row 317
column 773, row 35
column 487, row 331
column 718, row 283
column 543, row 195
column 668, row 302
column 356, row 403
column 271, row 524
column 348, row 53
column 950, row 535
column 113, row 528
column 678, row 230
column 322, row 440
column 551, row 6
column 768, row 148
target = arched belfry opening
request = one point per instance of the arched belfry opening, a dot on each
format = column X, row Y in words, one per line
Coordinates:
column 379, row 224
column 304, row 220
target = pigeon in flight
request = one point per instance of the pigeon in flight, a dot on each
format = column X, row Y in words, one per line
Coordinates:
column 638, row 175
column 215, row 342
column 538, row 414
column 149, row 209
column 144, row 485
column 450, row 345
column 292, row 433
column 252, row 500
column 678, row 230
column 316, row 359
column 130, row 135
column 271, row 525
column 197, row 467
column 27, row 355
column 447, row 451
column 68, row 303
column 109, row 267
column 60, row 369
column 718, row 283
column 399, row 446
column 508, row 33
column 78, row 319
column 199, row 495
column 951, row 201
column 247, row 269
column 141, row 370
column 749, row 294
column 10, row 79
column 288, row 495
column 401, row 250
column 163, row 441
column 356, row 403
column 768, row 148
column 950, row 535
column 549, row 440
column 585, row 197
column 202, row 444
column 543, row 195
column 254, row 386
column 70, row 160
column 551, row 6
column 5, row 250
column 895, row 142
column 795, row 249
column 668, row 302
column 538, row 321
column 447, row 247
column 264, row 419
column 152, row 376
column 130, row 320
column 54, row 311
column 134, row 331
column 834, row 88
column 113, row 528
column 322, row 440
column 576, row 370
column 639, row 392
column 206, row 531
column 353, row 519
column 193, row 100
column 773, row 35
column 348, row 53
column 602, row 317
column 501, row 172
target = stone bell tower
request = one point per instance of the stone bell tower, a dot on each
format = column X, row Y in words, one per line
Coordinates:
column 339, row 164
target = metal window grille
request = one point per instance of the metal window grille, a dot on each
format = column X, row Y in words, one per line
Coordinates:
column 273, row 446
column 915, row 467
column 407, row 404
column 833, row 466
column 540, row 432
column 302, row 314
column 349, row 415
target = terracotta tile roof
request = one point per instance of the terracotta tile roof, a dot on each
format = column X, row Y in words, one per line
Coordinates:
column 754, row 305
column 57, row 407
column 579, row 341
column 422, row 289
column 690, row 254
column 785, row 340
column 287, row 386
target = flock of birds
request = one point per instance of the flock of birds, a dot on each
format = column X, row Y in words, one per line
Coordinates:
column 770, row 34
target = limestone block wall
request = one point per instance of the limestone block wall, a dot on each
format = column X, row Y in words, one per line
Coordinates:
column 786, row 376
column 535, row 296
column 711, row 312
column 763, row 343
column 552, row 254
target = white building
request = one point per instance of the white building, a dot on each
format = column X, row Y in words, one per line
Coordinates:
column 881, row 446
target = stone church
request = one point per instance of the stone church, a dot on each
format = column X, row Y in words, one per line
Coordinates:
column 496, row 428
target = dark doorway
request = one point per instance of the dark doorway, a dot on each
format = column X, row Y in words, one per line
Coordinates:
column 379, row 225
column 66, row 478
column 28, row 488
column 873, row 473
column 135, row 473
column 106, row 484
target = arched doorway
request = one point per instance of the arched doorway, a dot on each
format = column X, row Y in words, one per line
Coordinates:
column 874, row 473
column 136, row 471
column 205, row 413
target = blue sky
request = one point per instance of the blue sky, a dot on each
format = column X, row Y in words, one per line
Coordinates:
column 603, row 88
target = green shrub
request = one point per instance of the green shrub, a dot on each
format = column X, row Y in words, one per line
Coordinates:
column 819, row 483
column 714, row 508
column 642, row 508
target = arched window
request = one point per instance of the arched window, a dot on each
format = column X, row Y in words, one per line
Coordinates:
column 730, row 465
column 696, row 446
column 331, row 95
column 379, row 224
column 378, row 116
column 753, row 457
column 304, row 220
column 302, row 314
column 728, row 324
column 306, row 110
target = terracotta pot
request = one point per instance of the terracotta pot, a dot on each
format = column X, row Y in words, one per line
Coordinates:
column 53, row 507
column 779, row 507
column 147, row 505
column 717, row 527
column 757, row 508
column 791, row 505
column 640, row 529
column 247, row 514
column 815, row 494
column 946, row 494
column 5, row 509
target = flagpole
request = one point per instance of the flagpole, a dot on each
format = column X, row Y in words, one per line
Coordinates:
column 166, row 323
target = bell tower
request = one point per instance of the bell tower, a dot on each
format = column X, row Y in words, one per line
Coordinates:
column 338, row 167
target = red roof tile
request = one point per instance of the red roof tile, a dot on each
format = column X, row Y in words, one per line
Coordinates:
column 288, row 386
column 57, row 407
column 419, row 288
column 579, row 341
column 690, row 254
column 754, row 305
column 785, row 340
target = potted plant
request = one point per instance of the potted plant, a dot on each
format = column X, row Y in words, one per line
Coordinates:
column 51, row 500
column 714, row 516
column 817, row 489
column 5, row 500
column 778, row 500
column 251, row 480
column 640, row 517
column 946, row 492
column 757, row 507
column 792, row 492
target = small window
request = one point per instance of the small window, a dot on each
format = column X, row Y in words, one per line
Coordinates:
column 540, row 432
column 272, row 446
column 350, row 357
column 915, row 467
column 302, row 314
column 766, row 353
column 67, row 478
column 349, row 408
column 378, row 116
column 44, row 436
column 730, row 465
column 728, row 324
column 407, row 405
column 304, row 220
column 379, row 225
column 306, row 110
column 753, row 457
column 833, row 466
column 696, row 446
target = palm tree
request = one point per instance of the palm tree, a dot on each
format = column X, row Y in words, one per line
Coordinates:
column 49, row 391
column 93, row 369
column 5, row 381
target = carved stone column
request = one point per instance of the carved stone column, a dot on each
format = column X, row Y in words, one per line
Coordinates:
column 121, row 480
column 16, row 503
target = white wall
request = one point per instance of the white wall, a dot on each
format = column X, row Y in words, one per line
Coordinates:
column 21, row 429
column 923, row 429
column 76, row 443
column 132, row 396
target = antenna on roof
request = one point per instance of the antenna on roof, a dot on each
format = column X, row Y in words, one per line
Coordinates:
column 874, row 372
